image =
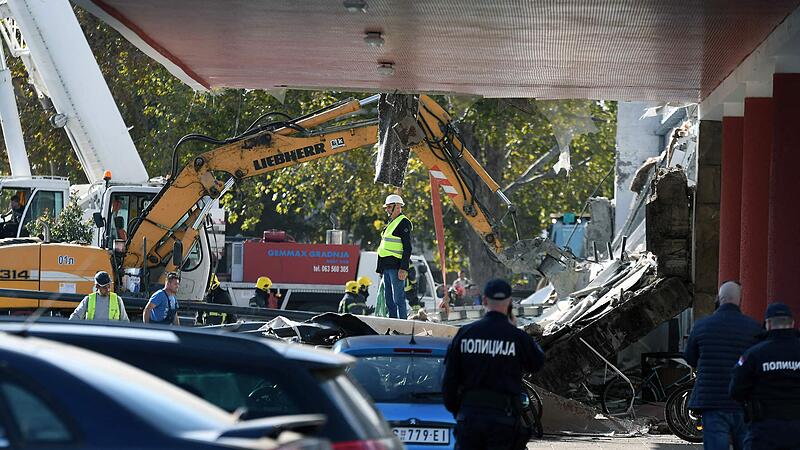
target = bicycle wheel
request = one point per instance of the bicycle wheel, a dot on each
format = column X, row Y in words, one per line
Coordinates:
column 681, row 421
column 535, row 398
column 617, row 396
column 534, row 413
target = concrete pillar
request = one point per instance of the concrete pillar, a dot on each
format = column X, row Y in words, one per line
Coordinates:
column 756, row 157
column 705, row 255
column 784, row 211
column 636, row 141
column 730, row 207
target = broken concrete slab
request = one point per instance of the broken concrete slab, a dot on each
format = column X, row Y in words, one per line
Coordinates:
column 641, row 309
column 561, row 415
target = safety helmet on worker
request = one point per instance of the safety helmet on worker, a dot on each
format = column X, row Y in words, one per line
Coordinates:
column 214, row 282
column 102, row 279
column 351, row 287
column 263, row 283
column 364, row 281
column 392, row 199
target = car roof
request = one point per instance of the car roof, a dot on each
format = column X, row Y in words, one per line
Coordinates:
column 102, row 371
column 379, row 343
column 214, row 340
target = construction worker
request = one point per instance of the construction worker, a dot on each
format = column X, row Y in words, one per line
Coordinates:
column 217, row 296
column 163, row 305
column 101, row 304
column 352, row 302
column 264, row 296
column 410, row 290
column 394, row 256
column 363, row 287
column 766, row 380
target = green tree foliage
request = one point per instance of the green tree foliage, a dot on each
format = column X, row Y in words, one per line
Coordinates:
column 515, row 139
column 69, row 226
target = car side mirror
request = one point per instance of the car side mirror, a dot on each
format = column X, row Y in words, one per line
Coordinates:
column 422, row 269
column 98, row 219
column 177, row 254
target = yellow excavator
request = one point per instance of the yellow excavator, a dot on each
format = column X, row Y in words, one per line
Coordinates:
column 158, row 236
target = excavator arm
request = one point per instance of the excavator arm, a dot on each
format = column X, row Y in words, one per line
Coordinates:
column 177, row 212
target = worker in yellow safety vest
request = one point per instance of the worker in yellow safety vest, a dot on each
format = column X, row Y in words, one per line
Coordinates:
column 101, row 304
column 394, row 256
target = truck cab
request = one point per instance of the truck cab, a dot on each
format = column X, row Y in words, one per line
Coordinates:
column 34, row 196
column 118, row 204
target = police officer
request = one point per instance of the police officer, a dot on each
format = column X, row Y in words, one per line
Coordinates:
column 352, row 302
column 482, row 384
column 767, row 380
column 102, row 304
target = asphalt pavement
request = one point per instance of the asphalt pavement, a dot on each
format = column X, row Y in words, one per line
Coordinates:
column 649, row 442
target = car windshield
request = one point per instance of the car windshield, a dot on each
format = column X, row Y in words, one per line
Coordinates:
column 401, row 378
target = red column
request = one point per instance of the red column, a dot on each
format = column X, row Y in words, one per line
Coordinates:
column 784, row 194
column 757, row 149
column 730, row 202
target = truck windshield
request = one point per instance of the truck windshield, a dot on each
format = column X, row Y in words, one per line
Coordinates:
column 401, row 378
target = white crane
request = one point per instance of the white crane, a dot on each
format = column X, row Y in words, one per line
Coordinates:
column 46, row 35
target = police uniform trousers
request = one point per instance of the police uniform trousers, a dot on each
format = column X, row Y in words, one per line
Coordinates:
column 773, row 434
column 480, row 429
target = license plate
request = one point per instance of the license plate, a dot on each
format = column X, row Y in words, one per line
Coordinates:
column 413, row 435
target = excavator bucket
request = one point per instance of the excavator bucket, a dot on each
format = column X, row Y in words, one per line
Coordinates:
column 530, row 255
column 398, row 132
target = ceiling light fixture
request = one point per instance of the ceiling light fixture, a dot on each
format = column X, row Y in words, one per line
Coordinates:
column 374, row 39
column 386, row 69
column 355, row 6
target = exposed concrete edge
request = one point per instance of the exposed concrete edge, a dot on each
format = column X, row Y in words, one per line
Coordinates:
column 569, row 362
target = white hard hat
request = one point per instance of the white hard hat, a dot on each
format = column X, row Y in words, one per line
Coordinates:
column 394, row 198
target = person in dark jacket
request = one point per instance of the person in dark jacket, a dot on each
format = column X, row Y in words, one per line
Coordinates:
column 394, row 256
column 217, row 296
column 352, row 302
column 767, row 380
column 714, row 346
column 483, row 369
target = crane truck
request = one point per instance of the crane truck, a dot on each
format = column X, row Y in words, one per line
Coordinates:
column 47, row 38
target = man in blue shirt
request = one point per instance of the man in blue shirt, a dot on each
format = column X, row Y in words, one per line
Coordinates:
column 163, row 306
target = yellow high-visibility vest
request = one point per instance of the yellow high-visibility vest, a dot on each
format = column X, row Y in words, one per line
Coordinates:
column 113, row 306
column 391, row 245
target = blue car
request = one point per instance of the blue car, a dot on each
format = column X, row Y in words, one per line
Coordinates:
column 404, row 378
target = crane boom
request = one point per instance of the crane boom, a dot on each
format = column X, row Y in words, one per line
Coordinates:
column 61, row 67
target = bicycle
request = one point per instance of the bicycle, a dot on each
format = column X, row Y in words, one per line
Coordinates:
column 533, row 409
column 683, row 422
column 617, row 395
